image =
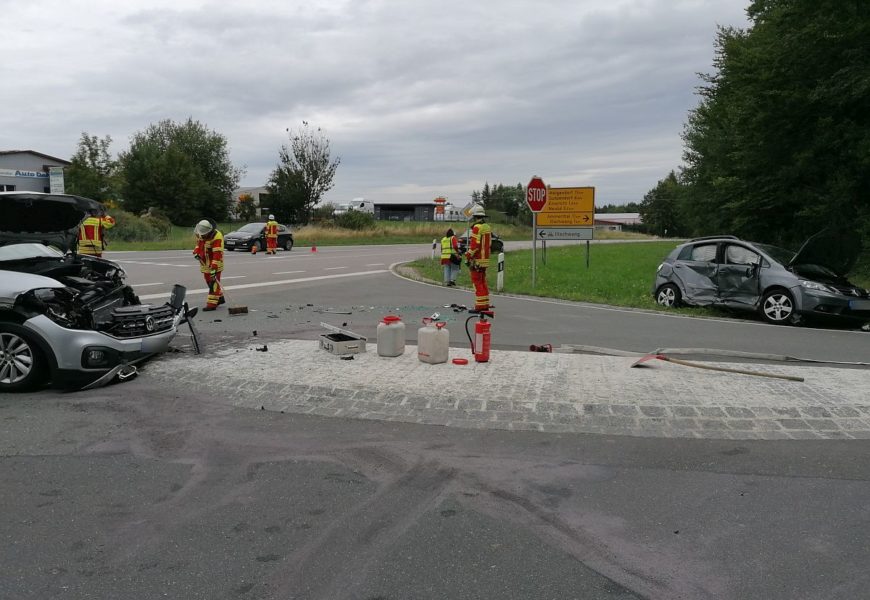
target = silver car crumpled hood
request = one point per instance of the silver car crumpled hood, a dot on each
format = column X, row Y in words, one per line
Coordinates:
column 50, row 219
column 13, row 284
column 835, row 249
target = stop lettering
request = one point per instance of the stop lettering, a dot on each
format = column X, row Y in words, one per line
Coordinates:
column 536, row 194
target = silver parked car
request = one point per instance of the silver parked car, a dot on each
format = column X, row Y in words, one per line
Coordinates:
column 64, row 317
column 779, row 284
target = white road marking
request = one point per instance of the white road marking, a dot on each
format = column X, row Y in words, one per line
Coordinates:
column 138, row 285
column 375, row 265
column 333, row 268
column 151, row 264
column 287, row 272
column 246, row 286
column 234, row 277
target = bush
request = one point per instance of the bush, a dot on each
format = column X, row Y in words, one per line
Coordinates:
column 356, row 220
column 130, row 228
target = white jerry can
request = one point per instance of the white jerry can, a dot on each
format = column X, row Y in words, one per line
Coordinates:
column 391, row 336
column 433, row 343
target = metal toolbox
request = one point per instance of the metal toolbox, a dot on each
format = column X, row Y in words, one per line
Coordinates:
column 341, row 341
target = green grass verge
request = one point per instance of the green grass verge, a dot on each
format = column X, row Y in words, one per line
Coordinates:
column 618, row 274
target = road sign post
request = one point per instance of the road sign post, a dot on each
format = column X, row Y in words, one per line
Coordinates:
column 536, row 198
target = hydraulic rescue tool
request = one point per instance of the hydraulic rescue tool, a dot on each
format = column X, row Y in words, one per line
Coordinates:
column 482, row 331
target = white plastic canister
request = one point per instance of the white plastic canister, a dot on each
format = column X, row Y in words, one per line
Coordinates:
column 433, row 343
column 391, row 336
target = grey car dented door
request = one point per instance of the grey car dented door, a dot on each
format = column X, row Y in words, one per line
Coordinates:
column 696, row 269
column 738, row 276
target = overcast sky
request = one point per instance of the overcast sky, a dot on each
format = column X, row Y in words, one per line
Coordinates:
column 418, row 98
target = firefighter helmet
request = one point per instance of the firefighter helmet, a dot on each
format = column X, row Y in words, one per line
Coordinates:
column 477, row 212
column 271, row 217
column 204, row 227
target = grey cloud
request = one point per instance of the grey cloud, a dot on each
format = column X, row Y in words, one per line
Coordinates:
column 414, row 96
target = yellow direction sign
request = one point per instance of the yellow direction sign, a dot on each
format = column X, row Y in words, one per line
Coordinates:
column 568, row 207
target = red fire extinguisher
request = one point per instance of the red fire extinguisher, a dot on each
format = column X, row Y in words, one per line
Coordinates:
column 481, row 343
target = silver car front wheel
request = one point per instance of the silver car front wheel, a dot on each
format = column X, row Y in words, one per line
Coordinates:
column 17, row 360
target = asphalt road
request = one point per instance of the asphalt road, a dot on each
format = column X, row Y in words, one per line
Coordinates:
column 143, row 492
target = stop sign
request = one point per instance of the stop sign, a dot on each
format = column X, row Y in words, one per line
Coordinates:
column 536, row 194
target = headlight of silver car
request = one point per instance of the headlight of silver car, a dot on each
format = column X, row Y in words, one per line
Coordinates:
column 814, row 285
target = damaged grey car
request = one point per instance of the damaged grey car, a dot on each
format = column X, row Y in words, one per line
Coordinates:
column 66, row 318
column 780, row 285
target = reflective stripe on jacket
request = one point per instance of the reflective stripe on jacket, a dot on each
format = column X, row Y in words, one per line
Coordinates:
column 481, row 240
column 210, row 253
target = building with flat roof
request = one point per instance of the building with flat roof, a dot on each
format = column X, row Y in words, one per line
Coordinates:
column 27, row 170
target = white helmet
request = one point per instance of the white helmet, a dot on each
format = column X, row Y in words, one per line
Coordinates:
column 477, row 212
column 204, row 227
column 271, row 217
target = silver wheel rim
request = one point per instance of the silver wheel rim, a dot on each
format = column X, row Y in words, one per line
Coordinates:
column 16, row 358
column 778, row 307
column 667, row 296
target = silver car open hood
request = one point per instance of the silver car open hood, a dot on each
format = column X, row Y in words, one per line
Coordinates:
column 835, row 249
column 50, row 219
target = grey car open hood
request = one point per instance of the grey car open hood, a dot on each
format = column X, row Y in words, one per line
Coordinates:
column 835, row 249
column 50, row 219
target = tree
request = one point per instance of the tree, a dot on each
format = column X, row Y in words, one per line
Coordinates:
column 303, row 175
column 779, row 145
column 181, row 168
column 659, row 210
column 93, row 173
column 245, row 209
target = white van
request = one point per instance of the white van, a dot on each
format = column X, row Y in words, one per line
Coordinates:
column 360, row 204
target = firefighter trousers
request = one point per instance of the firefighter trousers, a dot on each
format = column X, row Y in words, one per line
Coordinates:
column 215, row 291
column 481, row 290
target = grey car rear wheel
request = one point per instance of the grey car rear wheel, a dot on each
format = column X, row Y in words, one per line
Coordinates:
column 21, row 363
column 777, row 307
column 288, row 245
column 669, row 295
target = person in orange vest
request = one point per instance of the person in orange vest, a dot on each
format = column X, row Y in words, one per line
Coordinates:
column 272, row 235
column 92, row 240
column 210, row 253
column 477, row 256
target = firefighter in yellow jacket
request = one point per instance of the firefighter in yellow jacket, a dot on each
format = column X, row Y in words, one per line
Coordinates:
column 477, row 256
column 210, row 253
column 92, row 239
column 271, row 235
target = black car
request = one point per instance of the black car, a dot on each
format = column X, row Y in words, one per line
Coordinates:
column 255, row 233
column 496, row 244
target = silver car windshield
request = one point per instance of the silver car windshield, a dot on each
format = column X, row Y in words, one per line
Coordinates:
column 28, row 250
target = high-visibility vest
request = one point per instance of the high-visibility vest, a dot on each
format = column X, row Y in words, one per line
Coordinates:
column 91, row 239
column 272, row 229
column 481, row 240
column 447, row 247
column 210, row 253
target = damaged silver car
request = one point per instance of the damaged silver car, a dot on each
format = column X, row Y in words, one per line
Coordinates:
column 67, row 318
column 780, row 285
